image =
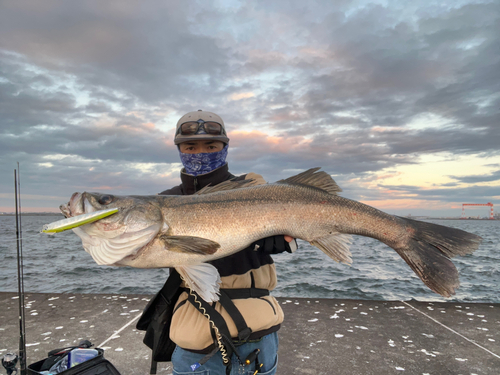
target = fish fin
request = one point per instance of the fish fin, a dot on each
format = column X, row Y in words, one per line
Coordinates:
column 190, row 244
column 429, row 250
column 450, row 241
column 336, row 246
column 311, row 177
column 116, row 245
column 259, row 180
column 203, row 279
column 228, row 185
column 436, row 270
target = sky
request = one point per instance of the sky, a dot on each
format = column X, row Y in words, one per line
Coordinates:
column 399, row 101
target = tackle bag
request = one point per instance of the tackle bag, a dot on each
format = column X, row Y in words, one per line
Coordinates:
column 95, row 366
column 156, row 320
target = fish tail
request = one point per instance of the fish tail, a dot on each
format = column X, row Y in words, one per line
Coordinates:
column 428, row 252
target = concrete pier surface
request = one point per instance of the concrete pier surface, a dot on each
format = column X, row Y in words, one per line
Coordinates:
column 319, row 336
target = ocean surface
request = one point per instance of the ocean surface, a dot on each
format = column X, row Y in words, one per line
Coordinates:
column 58, row 264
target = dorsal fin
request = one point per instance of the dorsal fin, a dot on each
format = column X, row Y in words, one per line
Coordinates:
column 227, row 185
column 311, row 177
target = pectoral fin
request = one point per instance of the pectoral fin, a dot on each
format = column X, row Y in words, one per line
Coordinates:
column 202, row 278
column 336, row 246
column 190, row 244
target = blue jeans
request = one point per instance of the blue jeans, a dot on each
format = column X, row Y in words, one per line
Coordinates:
column 268, row 356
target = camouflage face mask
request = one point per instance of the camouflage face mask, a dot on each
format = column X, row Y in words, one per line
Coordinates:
column 196, row 164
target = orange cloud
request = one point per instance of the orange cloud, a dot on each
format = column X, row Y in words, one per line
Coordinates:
column 241, row 95
column 258, row 141
column 286, row 116
column 383, row 129
column 145, row 127
column 388, row 175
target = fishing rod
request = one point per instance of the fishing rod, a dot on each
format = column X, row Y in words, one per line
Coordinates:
column 9, row 361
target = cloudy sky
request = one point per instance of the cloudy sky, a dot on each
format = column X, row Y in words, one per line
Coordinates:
column 398, row 100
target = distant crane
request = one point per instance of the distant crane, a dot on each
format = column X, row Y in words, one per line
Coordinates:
column 477, row 204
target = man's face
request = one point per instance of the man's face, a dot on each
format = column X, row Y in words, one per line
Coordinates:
column 198, row 147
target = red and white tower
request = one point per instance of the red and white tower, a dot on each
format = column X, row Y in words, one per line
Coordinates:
column 477, row 204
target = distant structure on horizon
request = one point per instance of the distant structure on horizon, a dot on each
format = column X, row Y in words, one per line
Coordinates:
column 477, row 204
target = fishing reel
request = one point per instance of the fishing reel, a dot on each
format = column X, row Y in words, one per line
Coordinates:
column 9, row 362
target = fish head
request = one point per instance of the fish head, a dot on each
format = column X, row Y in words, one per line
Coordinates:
column 121, row 235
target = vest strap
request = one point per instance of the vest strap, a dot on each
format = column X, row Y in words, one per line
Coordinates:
column 246, row 293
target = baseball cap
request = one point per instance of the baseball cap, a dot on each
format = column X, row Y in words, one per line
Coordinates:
column 195, row 116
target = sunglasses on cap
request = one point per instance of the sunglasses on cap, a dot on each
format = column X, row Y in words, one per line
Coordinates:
column 192, row 127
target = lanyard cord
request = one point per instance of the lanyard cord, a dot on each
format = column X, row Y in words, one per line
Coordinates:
column 218, row 336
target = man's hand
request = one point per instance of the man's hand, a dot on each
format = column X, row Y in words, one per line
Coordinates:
column 277, row 244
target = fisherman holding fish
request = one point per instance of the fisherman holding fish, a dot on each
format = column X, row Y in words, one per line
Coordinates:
column 252, row 316
column 214, row 315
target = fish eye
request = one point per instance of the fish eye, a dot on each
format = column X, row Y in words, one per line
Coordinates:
column 106, row 199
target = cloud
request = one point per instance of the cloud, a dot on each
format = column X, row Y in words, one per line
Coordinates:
column 495, row 176
column 146, row 50
column 461, row 194
column 90, row 93
column 240, row 96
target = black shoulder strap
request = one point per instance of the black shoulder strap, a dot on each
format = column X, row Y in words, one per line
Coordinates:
column 170, row 287
column 153, row 319
column 164, row 297
column 244, row 331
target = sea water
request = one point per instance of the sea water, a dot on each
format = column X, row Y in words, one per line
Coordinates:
column 58, row 264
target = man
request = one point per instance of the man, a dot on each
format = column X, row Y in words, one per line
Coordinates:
column 246, row 312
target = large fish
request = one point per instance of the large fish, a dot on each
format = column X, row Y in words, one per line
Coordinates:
column 186, row 231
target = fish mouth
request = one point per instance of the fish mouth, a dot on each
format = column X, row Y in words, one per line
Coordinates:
column 78, row 205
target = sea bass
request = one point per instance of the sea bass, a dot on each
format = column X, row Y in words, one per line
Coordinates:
column 187, row 231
